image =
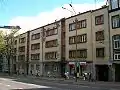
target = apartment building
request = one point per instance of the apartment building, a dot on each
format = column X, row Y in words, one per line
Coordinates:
column 35, row 53
column 20, row 47
column 100, row 43
column 53, row 47
column 114, row 18
column 46, row 49
column 79, row 43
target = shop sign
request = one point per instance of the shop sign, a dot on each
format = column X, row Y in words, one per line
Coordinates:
column 71, row 63
column 82, row 63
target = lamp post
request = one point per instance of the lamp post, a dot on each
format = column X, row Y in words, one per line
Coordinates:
column 76, row 24
column 43, row 40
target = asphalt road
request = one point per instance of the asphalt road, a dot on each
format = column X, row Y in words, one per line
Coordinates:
column 25, row 84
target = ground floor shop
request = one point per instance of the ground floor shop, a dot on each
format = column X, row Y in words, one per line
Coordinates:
column 52, row 69
column 78, row 67
column 35, row 68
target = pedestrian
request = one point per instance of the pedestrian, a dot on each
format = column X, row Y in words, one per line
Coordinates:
column 89, row 76
column 67, row 75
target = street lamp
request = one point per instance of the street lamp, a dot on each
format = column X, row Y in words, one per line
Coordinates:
column 43, row 40
column 67, row 10
column 76, row 24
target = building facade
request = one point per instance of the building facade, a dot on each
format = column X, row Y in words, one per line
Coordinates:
column 78, row 43
column 52, row 47
column 86, row 42
column 35, row 52
column 100, row 43
column 20, row 59
column 114, row 19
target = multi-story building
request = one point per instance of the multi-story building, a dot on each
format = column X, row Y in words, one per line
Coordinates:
column 78, row 43
column 58, row 46
column 35, row 53
column 46, row 49
column 91, row 51
column 100, row 43
column 114, row 23
column 21, row 53
column 53, row 48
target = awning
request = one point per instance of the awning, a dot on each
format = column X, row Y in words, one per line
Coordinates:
column 82, row 63
column 71, row 63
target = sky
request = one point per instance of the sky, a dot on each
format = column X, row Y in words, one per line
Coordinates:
column 30, row 14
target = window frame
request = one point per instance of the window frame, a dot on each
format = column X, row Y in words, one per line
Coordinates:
column 96, row 17
column 50, row 55
column 112, row 21
column 21, row 50
column 49, row 45
column 96, row 34
column 98, row 52
column 112, row 5
column 35, row 55
column 35, row 36
column 116, row 38
column 49, row 32
column 116, row 54
column 34, row 45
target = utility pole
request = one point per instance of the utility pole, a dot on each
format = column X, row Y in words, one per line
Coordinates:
column 43, row 40
column 76, row 22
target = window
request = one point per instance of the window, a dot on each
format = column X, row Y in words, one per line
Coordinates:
column 15, row 42
column 99, row 35
column 115, row 21
column 51, row 32
column 72, row 40
column 35, row 36
column 82, row 24
column 35, row 46
column 37, row 67
column 35, row 56
column 50, row 55
column 15, row 50
column 117, row 56
column 21, row 57
column 22, row 49
column 22, row 40
column 72, row 54
column 114, row 4
column 52, row 43
column 99, row 20
column 99, row 52
column 71, row 26
column 80, row 39
column 80, row 53
column 116, row 41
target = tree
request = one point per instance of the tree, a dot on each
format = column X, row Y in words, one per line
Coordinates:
column 7, row 45
column 2, row 43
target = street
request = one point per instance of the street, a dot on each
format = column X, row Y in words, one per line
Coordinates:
column 30, row 84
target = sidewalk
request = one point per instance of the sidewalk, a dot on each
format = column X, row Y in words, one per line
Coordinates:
column 80, row 82
column 69, row 81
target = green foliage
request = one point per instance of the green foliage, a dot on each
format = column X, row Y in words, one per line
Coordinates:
column 2, row 42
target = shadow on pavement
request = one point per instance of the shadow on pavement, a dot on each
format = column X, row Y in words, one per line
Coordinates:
column 33, row 89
